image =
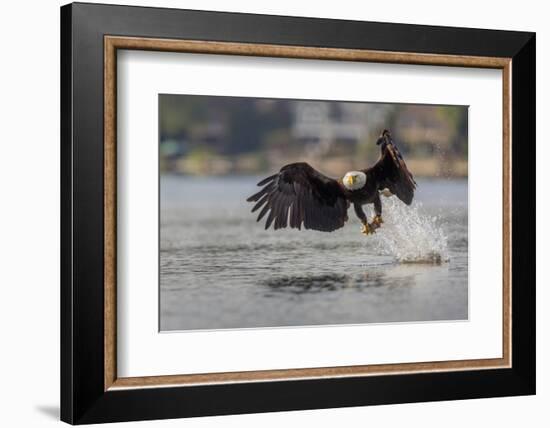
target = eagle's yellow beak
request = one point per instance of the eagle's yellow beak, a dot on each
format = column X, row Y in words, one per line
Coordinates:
column 350, row 180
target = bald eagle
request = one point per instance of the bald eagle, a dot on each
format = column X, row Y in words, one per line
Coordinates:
column 300, row 195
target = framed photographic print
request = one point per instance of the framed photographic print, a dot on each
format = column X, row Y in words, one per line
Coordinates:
column 265, row 213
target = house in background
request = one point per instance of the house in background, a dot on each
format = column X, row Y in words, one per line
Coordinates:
column 320, row 125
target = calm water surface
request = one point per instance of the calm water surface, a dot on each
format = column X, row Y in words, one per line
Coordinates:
column 221, row 269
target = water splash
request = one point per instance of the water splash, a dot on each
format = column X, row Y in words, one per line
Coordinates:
column 411, row 236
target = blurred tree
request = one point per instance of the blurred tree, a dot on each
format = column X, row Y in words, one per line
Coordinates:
column 224, row 134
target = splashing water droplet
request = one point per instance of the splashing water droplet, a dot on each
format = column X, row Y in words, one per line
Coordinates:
column 411, row 236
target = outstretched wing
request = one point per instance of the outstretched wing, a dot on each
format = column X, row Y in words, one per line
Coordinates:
column 300, row 194
column 391, row 170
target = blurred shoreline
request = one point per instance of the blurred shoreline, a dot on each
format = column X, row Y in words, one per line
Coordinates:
column 215, row 165
column 220, row 136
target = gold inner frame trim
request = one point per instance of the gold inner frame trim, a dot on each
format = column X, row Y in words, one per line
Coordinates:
column 113, row 43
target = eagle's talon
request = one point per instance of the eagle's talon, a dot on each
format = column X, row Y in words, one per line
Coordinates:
column 368, row 229
column 377, row 220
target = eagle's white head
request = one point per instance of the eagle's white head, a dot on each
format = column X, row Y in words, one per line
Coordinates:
column 354, row 180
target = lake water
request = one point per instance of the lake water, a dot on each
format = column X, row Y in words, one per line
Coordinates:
column 221, row 269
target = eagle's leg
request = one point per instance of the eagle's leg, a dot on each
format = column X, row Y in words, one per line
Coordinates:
column 377, row 219
column 367, row 229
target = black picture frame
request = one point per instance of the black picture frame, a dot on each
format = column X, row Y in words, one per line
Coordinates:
column 83, row 398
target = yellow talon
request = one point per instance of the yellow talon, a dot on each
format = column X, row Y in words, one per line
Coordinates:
column 367, row 229
column 377, row 220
